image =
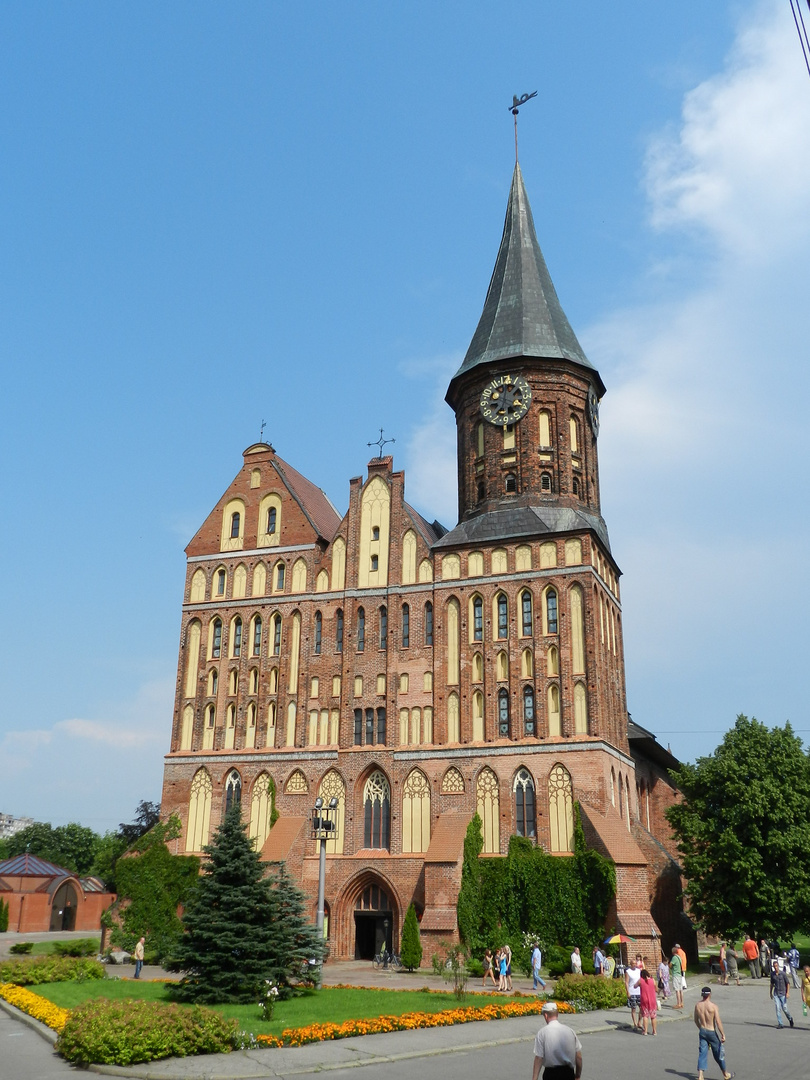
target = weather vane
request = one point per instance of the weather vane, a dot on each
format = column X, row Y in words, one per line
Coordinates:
column 381, row 442
column 261, row 433
column 513, row 109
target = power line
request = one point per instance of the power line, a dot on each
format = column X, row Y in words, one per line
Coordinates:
column 801, row 30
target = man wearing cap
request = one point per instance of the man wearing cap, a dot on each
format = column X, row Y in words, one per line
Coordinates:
column 710, row 1034
column 557, row 1050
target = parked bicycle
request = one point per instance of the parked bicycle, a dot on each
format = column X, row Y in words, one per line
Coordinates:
column 386, row 959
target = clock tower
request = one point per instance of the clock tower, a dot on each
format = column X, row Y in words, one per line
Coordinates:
column 526, row 397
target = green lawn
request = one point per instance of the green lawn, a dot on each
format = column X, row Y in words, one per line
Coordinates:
column 331, row 1004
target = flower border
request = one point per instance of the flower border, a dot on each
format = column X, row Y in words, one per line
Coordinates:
column 40, row 1008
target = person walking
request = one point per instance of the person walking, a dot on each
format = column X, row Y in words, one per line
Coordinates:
column 795, row 962
column 780, row 992
column 576, row 962
column 751, row 954
column 723, row 968
column 806, row 989
column 678, row 983
column 501, row 958
column 138, row 954
column 663, row 979
column 682, row 955
column 649, row 1002
column 764, row 957
column 710, row 1034
column 537, row 963
column 732, row 966
column 488, row 972
column 508, row 951
column 557, row 1049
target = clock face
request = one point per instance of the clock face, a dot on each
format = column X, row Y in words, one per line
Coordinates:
column 506, row 400
column 593, row 411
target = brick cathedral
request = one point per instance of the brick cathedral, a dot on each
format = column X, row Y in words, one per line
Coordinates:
column 417, row 675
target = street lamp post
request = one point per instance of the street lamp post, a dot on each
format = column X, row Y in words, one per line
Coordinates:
column 324, row 827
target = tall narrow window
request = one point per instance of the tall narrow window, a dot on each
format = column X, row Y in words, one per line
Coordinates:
column 383, row 627
column 233, row 790
column 276, row 635
column 271, row 520
column 573, row 428
column 551, row 612
column 478, row 619
column 361, row 629
column 318, row 633
column 216, row 648
column 221, row 577
column 528, row 710
column 235, row 520
column 257, row 636
column 561, row 809
column 339, row 630
column 237, row 637
column 524, row 804
column 375, row 532
column 503, row 616
column 375, row 563
column 358, row 727
column 381, row 727
column 406, row 626
column 545, row 482
column 487, row 804
column 280, row 572
column 377, row 812
column 369, row 727
column 526, row 613
column 503, row 713
column 511, row 483
column 428, row 623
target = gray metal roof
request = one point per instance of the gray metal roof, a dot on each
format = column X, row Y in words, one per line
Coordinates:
column 523, row 521
column 522, row 315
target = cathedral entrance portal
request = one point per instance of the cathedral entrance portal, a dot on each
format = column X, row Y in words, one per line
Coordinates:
column 373, row 923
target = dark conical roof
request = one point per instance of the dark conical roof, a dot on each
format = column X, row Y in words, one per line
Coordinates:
column 522, row 315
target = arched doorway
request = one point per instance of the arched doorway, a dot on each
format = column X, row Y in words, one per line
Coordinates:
column 373, row 922
column 63, row 907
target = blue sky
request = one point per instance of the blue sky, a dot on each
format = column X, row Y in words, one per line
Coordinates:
column 214, row 215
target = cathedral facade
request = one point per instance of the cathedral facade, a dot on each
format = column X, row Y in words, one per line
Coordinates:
column 416, row 675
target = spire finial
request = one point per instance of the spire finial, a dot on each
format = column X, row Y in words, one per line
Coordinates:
column 513, row 109
column 381, row 442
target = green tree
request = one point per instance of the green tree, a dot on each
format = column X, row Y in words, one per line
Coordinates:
column 743, row 831
column 410, row 949
column 226, row 951
column 70, row 846
column 4, row 912
column 294, row 940
column 147, row 815
column 152, row 885
column 109, row 850
column 468, row 908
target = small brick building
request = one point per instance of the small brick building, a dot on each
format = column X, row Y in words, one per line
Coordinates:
column 44, row 897
column 416, row 674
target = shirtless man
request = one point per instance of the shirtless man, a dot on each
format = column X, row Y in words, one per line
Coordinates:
column 710, row 1034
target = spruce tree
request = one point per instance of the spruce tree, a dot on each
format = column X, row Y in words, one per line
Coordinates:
column 227, row 950
column 410, row 949
column 293, row 939
column 468, row 906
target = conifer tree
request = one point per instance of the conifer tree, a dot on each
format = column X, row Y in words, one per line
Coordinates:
column 410, row 950
column 231, row 922
column 468, row 906
column 294, row 941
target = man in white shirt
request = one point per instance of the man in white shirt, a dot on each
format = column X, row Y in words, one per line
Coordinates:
column 576, row 962
column 557, row 1049
column 632, row 983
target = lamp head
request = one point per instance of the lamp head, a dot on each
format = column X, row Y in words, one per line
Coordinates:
column 318, row 803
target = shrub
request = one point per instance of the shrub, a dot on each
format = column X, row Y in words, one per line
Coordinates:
column 4, row 910
column 558, row 961
column 22, row 948
column 34, row 970
column 81, row 947
column 125, row 1032
column 410, row 950
column 598, row 991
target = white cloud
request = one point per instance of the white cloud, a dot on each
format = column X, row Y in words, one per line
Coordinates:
column 432, row 482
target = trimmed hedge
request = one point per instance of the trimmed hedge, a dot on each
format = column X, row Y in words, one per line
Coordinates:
column 598, row 991
column 34, row 970
column 105, row 1032
column 85, row 946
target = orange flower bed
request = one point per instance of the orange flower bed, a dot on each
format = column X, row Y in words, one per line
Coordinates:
column 407, row 1022
column 38, row 1007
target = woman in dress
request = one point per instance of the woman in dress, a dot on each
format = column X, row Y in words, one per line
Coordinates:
column 488, row 972
column 502, row 969
column 663, row 980
column 649, row 1002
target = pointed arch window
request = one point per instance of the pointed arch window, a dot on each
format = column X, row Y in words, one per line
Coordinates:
column 551, row 612
column 199, row 811
column 318, row 633
column 561, row 809
column 216, row 648
column 271, row 520
column 478, row 619
column 257, row 636
column 528, row 710
column 406, row 626
column 525, row 815
column 281, row 571
column 260, row 810
column 233, row 790
column 237, row 637
column 361, row 629
column 488, row 806
column 526, row 620
column 503, row 616
column 428, row 623
column 503, row 713
column 377, row 812
column 276, row 635
column 235, row 522
column 339, row 630
column 383, row 627
column 415, row 813
column 221, row 579
column 333, row 787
